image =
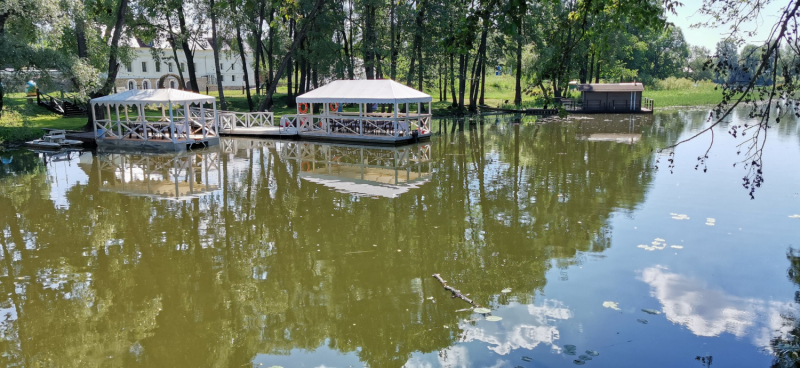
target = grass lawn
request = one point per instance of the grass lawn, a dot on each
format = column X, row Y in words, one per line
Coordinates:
column 22, row 121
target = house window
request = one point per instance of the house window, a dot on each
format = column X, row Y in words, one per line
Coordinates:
column 129, row 67
column 144, row 67
column 158, row 67
column 183, row 67
column 221, row 66
column 221, row 78
column 195, row 66
column 145, row 85
column 172, row 83
column 169, row 67
column 233, row 66
column 233, row 78
column 131, row 85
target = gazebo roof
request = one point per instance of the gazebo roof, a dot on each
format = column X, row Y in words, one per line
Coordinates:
column 611, row 87
column 364, row 91
column 153, row 96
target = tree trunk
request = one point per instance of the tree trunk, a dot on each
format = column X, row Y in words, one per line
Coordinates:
column 113, row 64
column 477, row 65
column 257, row 66
column 597, row 77
column 369, row 41
column 349, row 63
column 463, row 62
column 302, row 68
column 187, row 50
column 244, row 67
column 452, row 81
column 80, row 36
column 215, row 44
column 270, row 49
column 172, row 44
column 392, row 34
column 267, row 102
column 591, row 67
column 518, row 82
column 483, row 80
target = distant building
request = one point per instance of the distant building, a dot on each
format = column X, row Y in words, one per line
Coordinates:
column 145, row 73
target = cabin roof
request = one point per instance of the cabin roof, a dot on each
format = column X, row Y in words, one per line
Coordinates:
column 611, row 87
column 153, row 96
column 364, row 91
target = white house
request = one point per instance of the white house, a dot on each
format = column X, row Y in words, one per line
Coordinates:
column 144, row 72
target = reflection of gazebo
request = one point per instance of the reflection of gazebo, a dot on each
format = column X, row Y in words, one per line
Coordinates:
column 167, row 176
column 187, row 119
column 373, row 171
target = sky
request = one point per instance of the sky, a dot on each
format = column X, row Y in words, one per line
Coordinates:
column 708, row 37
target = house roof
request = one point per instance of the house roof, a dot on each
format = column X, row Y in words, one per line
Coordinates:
column 364, row 91
column 153, row 96
column 611, row 87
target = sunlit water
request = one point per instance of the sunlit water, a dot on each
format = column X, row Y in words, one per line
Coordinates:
column 296, row 254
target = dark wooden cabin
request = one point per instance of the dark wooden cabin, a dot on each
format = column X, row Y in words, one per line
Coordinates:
column 614, row 98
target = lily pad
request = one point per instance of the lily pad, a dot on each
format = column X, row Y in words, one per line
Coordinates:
column 578, row 362
column 584, row 357
column 482, row 310
column 592, row 353
column 493, row 318
column 642, row 321
column 505, row 291
column 570, row 349
column 526, row 359
column 651, row 311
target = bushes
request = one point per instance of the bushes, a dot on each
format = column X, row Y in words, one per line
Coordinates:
column 15, row 125
column 679, row 84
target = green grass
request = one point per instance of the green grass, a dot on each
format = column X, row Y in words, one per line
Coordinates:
column 693, row 96
column 22, row 121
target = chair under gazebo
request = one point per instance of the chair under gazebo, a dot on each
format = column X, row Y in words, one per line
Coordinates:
column 181, row 120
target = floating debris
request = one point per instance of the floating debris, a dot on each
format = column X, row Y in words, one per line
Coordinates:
column 612, row 305
column 710, row 221
column 679, row 217
column 494, row 318
column 676, row 246
column 651, row 311
column 642, row 321
column 526, row 359
column 482, row 310
column 505, row 291
column 429, row 298
column 592, row 353
column 795, row 216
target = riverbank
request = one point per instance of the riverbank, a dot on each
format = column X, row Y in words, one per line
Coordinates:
column 22, row 121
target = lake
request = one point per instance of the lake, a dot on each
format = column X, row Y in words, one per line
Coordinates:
column 578, row 235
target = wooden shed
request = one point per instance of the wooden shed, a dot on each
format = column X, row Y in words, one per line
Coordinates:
column 615, row 98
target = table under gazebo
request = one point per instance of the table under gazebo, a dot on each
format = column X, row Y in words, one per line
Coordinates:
column 185, row 120
column 384, row 113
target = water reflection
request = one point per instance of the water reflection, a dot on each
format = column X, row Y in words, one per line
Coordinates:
column 362, row 170
column 276, row 255
column 167, row 176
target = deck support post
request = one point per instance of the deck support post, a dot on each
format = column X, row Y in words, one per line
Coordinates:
column 171, row 123
column 94, row 118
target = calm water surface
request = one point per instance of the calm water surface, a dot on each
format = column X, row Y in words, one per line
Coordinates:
column 284, row 253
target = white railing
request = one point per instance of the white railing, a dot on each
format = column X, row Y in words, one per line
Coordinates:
column 402, row 126
column 230, row 120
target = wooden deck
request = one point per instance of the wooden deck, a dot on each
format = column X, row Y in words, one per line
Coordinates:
column 370, row 139
column 261, row 131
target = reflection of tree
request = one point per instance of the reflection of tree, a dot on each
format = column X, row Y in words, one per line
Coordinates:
column 786, row 347
column 273, row 263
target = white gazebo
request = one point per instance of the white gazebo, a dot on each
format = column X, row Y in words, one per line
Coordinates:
column 384, row 113
column 185, row 120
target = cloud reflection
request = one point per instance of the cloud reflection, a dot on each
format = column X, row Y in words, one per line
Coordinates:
column 708, row 312
column 518, row 330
